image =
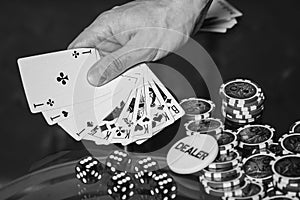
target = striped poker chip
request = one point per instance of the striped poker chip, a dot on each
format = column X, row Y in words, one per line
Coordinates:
column 258, row 100
column 227, row 141
column 204, row 126
column 295, row 128
column 197, row 108
column 290, row 143
column 244, row 108
column 235, row 112
column 221, row 185
column 257, row 167
column 253, row 190
column 255, row 136
column 286, row 169
column 225, row 161
column 240, row 91
column 226, row 192
column 240, row 121
column 212, row 175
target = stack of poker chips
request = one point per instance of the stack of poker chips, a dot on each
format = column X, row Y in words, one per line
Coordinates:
column 242, row 102
column 197, row 108
column 286, row 178
column 210, row 126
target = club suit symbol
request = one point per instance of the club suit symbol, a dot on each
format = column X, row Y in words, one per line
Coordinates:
column 62, row 78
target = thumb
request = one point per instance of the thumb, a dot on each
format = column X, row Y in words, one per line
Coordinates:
column 114, row 64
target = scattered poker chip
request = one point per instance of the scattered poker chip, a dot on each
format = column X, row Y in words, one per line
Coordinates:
column 227, row 141
column 192, row 153
column 230, row 184
column 240, row 91
column 226, row 192
column 290, row 143
column 197, row 108
column 226, row 175
column 211, row 126
column 286, row 169
column 295, row 128
column 255, row 136
column 225, row 161
column 281, row 197
column 252, row 190
column 257, row 167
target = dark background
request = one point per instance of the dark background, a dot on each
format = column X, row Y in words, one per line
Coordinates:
column 264, row 46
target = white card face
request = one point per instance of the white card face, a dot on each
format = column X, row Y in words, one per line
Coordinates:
column 50, row 76
column 173, row 106
column 142, row 128
column 87, row 118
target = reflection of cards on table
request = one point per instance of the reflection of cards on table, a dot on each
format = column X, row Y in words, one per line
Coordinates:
column 131, row 108
column 220, row 17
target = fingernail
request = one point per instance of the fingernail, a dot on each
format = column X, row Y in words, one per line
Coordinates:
column 95, row 78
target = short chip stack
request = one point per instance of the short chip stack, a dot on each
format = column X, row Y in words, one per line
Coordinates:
column 242, row 101
column 197, row 108
column 210, row 126
column 286, row 176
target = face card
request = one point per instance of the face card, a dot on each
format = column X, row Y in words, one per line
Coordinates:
column 171, row 103
column 87, row 119
column 51, row 76
column 142, row 128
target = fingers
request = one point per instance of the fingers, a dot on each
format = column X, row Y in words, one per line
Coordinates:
column 114, row 64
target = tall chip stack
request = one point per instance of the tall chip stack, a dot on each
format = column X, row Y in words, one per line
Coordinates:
column 242, row 102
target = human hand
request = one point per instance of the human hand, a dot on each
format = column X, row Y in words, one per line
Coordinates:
column 139, row 31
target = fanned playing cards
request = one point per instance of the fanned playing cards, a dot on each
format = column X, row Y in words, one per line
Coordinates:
column 131, row 108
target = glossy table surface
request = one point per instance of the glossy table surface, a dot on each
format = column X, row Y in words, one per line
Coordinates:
column 264, row 47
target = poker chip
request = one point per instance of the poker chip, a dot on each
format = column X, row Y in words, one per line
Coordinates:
column 225, row 161
column 295, row 128
column 225, row 192
column 240, row 91
column 227, row 141
column 252, row 190
column 291, row 187
column 242, row 101
column 255, row 136
column 290, row 143
column 211, row 126
column 192, row 153
column 230, row 184
column 286, row 169
column 257, row 167
column 226, row 175
column 197, row 108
